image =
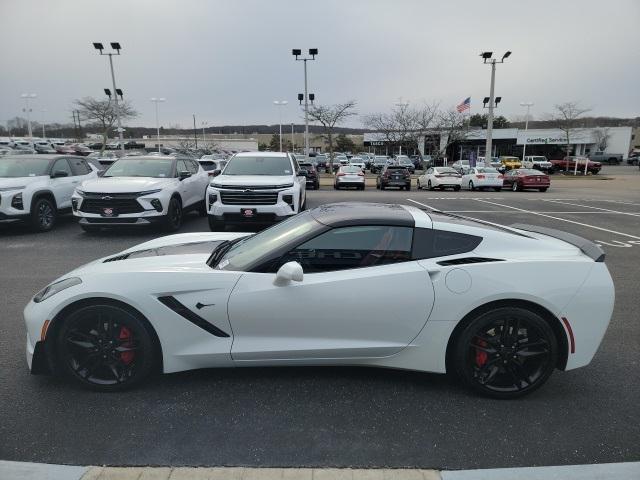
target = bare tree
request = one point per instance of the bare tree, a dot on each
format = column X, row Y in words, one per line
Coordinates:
column 565, row 118
column 329, row 116
column 103, row 113
column 453, row 128
column 602, row 136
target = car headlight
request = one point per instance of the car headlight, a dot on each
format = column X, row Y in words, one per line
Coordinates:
column 55, row 287
column 286, row 185
column 215, row 185
column 80, row 192
column 150, row 192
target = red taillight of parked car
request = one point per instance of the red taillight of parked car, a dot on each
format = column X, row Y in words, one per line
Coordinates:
column 437, row 175
column 340, row 174
column 480, row 177
column 361, row 174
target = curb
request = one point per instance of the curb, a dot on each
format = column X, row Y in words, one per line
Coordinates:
column 42, row 471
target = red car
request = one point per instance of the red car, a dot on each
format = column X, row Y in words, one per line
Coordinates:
column 569, row 164
column 526, row 178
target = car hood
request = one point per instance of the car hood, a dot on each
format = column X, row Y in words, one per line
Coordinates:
column 124, row 184
column 183, row 252
column 250, row 180
column 7, row 183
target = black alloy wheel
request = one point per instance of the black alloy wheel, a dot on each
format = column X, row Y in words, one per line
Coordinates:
column 506, row 353
column 104, row 347
column 43, row 215
column 173, row 219
column 429, row 186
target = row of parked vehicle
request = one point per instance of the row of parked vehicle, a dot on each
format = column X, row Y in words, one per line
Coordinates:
column 535, row 162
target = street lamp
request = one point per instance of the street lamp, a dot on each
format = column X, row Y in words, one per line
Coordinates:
column 296, row 52
column 27, row 110
column 157, row 101
column 487, row 58
column 526, row 126
column 402, row 105
column 42, row 112
column 280, row 103
column 204, row 138
column 116, row 91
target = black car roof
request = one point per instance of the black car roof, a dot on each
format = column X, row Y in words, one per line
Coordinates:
column 361, row 213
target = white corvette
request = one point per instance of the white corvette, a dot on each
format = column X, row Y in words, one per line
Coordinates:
column 502, row 307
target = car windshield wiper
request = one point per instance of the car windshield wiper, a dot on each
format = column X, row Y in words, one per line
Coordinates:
column 220, row 251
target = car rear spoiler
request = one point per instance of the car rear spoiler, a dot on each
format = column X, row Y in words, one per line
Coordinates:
column 587, row 247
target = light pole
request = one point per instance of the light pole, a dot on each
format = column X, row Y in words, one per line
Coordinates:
column 293, row 149
column 280, row 103
column 157, row 101
column 115, row 46
column 526, row 126
column 402, row 105
column 313, row 52
column 44, row 135
column 204, row 138
column 27, row 110
column 486, row 57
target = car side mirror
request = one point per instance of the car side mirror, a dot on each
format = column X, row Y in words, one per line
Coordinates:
column 184, row 174
column 216, row 172
column 290, row 271
column 60, row 174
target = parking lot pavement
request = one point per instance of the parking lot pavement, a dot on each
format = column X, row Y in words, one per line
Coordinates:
column 339, row 417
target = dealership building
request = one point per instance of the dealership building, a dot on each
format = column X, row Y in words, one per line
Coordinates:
column 550, row 142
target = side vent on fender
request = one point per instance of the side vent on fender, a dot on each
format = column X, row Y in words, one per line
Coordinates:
column 468, row 260
column 180, row 309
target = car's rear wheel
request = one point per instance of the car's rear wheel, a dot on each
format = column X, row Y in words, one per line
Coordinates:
column 173, row 218
column 498, row 189
column 471, row 186
column 457, row 188
column 506, row 352
column 429, row 185
column 104, row 347
column 514, row 186
column 43, row 214
column 418, row 184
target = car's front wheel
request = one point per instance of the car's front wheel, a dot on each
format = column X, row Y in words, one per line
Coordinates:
column 215, row 225
column 43, row 214
column 506, row 352
column 173, row 218
column 105, row 347
column 515, row 187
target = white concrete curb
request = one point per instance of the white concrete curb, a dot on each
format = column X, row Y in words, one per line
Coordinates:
column 43, row 471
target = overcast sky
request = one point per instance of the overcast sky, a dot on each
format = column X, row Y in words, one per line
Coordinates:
column 227, row 60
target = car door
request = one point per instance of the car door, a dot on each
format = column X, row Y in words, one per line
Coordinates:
column 63, row 186
column 186, row 185
column 361, row 296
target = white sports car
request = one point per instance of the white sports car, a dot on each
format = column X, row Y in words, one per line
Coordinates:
column 500, row 306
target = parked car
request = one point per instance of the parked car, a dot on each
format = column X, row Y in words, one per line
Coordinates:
column 65, row 149
column 608, row 158
column 38, row 188
column 538, row 162
column 340, row 160
column 308, row 170
column 44, row 149
column 461, row 165
column 569, row 163
column 494, row 162
column 133, row 145
column 404, row 161
column 394, row 176
column 256, row 187
column 357, row 162
column 141, row 191
column 440, row 177
column 520, row 179
column 481, row 178
column 211, row 166
column 379, row 162
column 510, row 162
column 321, row 163
column 349, row 176
column 205, row 300
column 633, row 158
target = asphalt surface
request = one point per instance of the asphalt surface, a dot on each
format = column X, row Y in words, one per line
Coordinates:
column 341, row 417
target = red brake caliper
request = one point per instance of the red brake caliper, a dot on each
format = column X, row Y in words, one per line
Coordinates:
column 481, row 356
column 125, row 334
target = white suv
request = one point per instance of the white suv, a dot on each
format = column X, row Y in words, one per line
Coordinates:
column 141, row 191
column 37, row 188
column 538, row 162
column 256, row 187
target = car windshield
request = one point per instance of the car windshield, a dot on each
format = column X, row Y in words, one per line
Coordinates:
column 351, row 169
column 23, row 167
column 246, row 252
column 257, row 165
column 139, row 167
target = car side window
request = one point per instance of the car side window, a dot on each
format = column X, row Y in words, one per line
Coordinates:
column 62, row 165
column 79, row 166
column 192, row 166
column 352, row 247
column 432, row 243
column 181, row 166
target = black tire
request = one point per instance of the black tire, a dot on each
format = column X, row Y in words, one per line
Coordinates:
column 457, row 188
column 382, row 187
column 215, row 225
column 43, row 214
column 303, row 204
column 105, row 347
column 418, row 186
column 362, row 187
column 498, row 189
column 514, row 187
column 544, row 189
column 408, row 188
column 429, row 186
column 173, row 219
column 505, row 353
column 471, row 187
column 335, row 187
column 202, row 209
column 377, row 186
column 316, row 186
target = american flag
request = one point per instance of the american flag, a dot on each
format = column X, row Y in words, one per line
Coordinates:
column 465, row 105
